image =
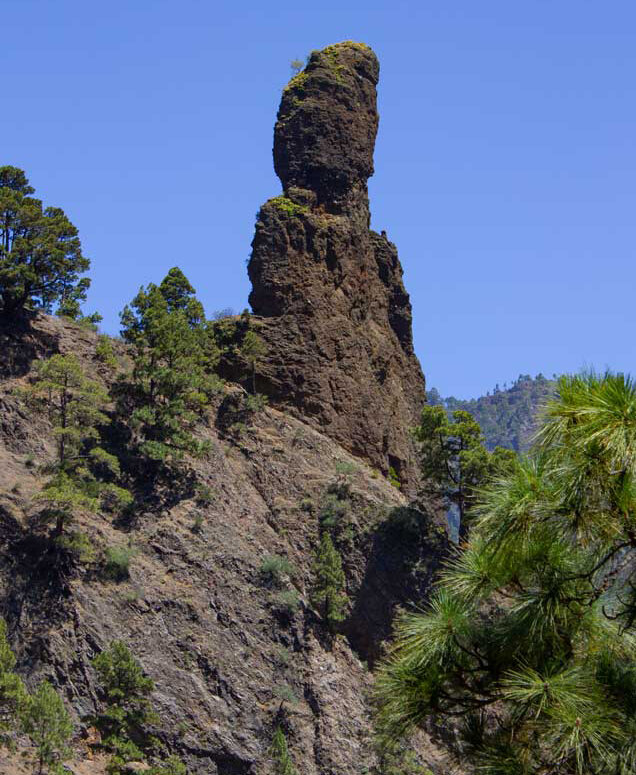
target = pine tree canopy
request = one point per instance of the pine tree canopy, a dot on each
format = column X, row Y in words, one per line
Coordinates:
column 454, row 460
column 528, row 648
column 175, row 353
column 40, row 252
column 47, row 722
column 328, row 593
column 84, row 473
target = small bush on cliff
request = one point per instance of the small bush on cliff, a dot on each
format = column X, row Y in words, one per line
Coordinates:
column 275, row 569
column 296, row 66
column 334, row 506
column 283, row 203
column 78, row 544
column 40, row 252
column 174, row 353
column 172, row 766
column 117, row 562
column 105, row 352
column 204, row 494
column 76, row 407
column 46, row 721
column 286, row 602
column 279, row 752
column 394, row 479
column 253, row 348
column 530, row 638
column 328, row 592
column 128, row 708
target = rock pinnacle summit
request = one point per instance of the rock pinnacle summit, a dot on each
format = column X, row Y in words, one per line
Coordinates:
column 327, row 291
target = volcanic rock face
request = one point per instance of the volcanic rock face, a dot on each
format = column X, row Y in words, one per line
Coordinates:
column 335, row 314
column 231, row 659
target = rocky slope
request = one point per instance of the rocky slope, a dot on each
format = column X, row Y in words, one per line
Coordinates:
column 228, row 659
column 335, row 314
column 234, row 652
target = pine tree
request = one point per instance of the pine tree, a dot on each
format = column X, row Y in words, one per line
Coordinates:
column 328, row 594
column 126, row 689
column 279, row 752
column 253, row 348
column 40, row 252
column 76, row 408
column 454, row 460
column 174, row 355
column 47, row 722
column 128, row 711
column 528, row 647
column 12, row 691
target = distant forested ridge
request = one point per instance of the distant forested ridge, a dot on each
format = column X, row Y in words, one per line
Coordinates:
column 507, row 416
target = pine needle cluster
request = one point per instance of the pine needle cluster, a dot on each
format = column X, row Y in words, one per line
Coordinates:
column 528, row 647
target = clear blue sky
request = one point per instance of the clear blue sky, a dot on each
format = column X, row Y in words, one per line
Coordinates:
column 505, row 162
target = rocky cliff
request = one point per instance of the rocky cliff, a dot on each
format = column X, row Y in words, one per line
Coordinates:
column 335, row 314
column 231, row 655
column 233, row 649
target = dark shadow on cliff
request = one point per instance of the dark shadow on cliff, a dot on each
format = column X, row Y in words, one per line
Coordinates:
column 35, row 575
column 404, row 554
column 21, row 343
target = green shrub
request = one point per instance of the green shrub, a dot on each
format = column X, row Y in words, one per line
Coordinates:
column 285, row 693
column 345, row 468
column 283, row 655
column 333, row 508
column 205, row 494
column 78, row 544
column 197, row 525
column 286, row 602
column 104, row 351
column 255, row 402
column 117, row 562
column 275, row 568
column 282, row 203
column 394, row 479
column 172, row 766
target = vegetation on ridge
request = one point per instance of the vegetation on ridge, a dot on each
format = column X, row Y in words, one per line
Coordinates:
column 174, row 355
column 508, row 416
column 41, row 256
column 84, row 474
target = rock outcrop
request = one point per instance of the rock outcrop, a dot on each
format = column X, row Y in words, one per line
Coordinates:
column 334, row 312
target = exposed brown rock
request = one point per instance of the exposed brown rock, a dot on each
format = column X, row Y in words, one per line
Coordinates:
column 229, row 664
column 335, row 314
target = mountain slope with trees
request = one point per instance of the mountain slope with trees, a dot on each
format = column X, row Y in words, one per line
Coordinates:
column 508, row 417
